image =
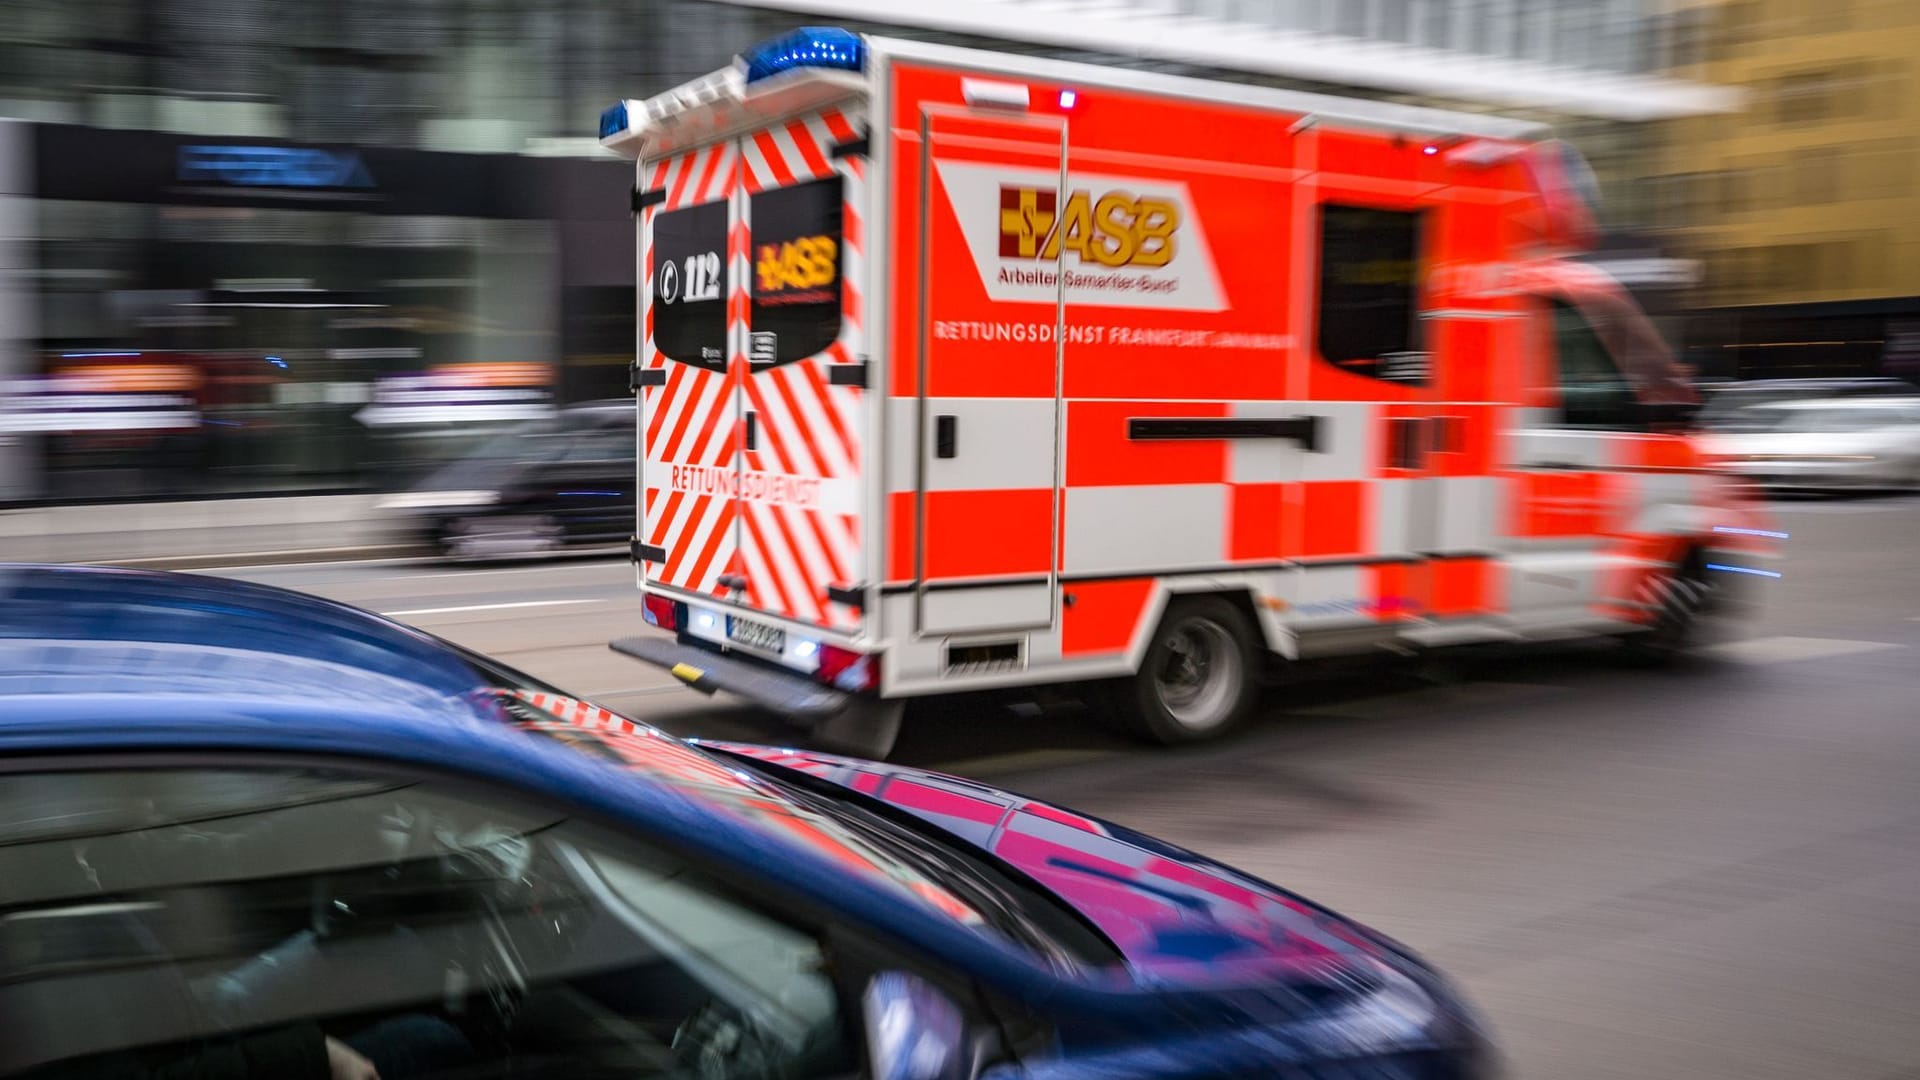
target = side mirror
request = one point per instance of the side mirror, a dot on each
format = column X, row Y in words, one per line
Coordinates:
column 915, row 1032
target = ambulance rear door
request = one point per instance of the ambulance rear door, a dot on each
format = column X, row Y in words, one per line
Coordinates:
column 800, row 262
column 687, row 389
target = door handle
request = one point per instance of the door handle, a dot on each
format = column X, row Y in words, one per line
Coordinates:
column 753, row 431
column 946, row 436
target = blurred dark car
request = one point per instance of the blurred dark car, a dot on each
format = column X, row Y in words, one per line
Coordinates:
column 563, row 481
column 243, row 831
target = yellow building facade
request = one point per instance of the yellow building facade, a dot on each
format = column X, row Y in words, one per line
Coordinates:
column 1803, row 207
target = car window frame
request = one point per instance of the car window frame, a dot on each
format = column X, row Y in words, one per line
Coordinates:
column 1638, row 416
column 867, row 949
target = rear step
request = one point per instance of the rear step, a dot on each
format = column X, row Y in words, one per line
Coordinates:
column 845, row 723
column 795, row 695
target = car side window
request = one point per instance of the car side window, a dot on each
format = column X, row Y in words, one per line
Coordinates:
column 216, row 923
column 1594, row 393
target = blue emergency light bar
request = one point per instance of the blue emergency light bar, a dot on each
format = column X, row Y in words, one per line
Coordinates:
column 807, row 47
column 613, row 119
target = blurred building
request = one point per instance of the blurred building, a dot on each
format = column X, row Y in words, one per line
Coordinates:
column 1804, row 207
column 261, row 245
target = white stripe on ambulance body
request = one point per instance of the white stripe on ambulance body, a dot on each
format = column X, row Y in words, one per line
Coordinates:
column 1007, row 444
column 1389, row 514
column 1347, row 449
column 1144, row 529
column 1470, row 512
column 1270, row 461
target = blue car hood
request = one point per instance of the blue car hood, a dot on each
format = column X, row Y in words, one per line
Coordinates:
column 1179, row 919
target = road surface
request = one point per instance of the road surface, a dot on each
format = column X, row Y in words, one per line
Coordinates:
column 1711, row 872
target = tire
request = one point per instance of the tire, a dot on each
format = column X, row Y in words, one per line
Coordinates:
column 1198, row 679
column 1681, row 595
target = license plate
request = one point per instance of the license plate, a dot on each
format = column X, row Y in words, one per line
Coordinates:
column 756, row 635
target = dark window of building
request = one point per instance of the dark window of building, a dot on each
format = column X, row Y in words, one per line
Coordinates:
column 1369, row 307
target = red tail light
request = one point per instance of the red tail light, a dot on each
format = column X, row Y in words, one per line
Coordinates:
column 848, row 670
column 661, row 612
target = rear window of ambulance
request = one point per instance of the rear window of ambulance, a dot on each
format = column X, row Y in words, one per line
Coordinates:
column 796, row 275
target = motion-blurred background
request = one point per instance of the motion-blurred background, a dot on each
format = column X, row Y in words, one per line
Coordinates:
column 276, row 247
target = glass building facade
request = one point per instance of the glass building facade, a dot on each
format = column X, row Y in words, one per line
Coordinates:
column 278, row 246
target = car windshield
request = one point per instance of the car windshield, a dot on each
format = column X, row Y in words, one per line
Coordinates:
column 738, row 794
column 965, row 888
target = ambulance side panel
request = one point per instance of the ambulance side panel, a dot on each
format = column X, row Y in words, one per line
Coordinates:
column 1206, row 443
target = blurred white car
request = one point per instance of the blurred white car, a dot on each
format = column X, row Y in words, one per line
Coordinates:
column 1827, row 445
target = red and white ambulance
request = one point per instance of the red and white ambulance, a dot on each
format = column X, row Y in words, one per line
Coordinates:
column 960, row 370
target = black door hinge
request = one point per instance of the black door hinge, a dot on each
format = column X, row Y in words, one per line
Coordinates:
column 854, row 374
column 851, row 148
column 638, row 377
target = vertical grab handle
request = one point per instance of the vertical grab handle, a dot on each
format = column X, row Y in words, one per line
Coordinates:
column 946, row 437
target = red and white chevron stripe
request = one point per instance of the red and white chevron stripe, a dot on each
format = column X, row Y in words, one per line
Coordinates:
column 808, row 427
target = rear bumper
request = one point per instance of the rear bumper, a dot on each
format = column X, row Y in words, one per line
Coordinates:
column 708, row 670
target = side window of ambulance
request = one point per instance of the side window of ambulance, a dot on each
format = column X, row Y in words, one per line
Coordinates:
column 1369, row 307
column 797, row 262
column 234, row 923
column 1593, row 392
column 690, row 285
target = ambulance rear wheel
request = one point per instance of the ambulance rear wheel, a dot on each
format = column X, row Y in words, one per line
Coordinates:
column 1198, row 679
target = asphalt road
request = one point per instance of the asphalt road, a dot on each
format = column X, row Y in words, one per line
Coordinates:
column 1710, row 872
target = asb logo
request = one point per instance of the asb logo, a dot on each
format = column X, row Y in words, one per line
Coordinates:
column 809, row 262
column 1107, row 241
column 1116, row 229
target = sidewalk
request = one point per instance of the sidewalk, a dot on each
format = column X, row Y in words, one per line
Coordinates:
column 211, row 532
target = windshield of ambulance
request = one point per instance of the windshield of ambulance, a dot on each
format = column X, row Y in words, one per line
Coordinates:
column 1635, row 345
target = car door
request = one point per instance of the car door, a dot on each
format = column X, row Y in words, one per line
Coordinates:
column 590, row 485
column 233, row 919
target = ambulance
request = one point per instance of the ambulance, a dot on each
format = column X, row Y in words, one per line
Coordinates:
column 960, row 371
